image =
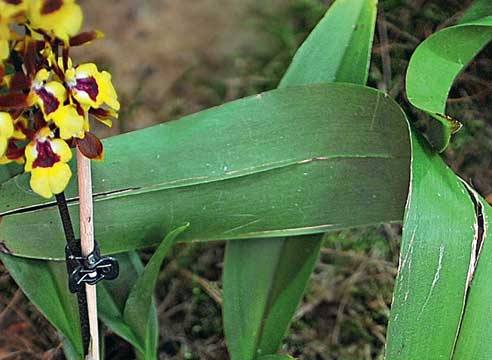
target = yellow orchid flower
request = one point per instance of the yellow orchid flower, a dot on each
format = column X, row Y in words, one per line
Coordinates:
column 6, row 131
column 20, row 124
column 59, row 18
column 49, row 96
column 46, row 159
column 70, row 122
column 19, row 158
column 92, row 88
column 12, row 153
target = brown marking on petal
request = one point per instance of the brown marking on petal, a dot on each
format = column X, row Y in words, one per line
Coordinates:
column 100, row 113
column 30, row 58
column 13, row 101
column 50, row 102
column 79, row 108
column 46, row 156
column 89, row 86
column 39, row 120
column 50, row 6
column 90, row 146
column 14, row 152
column 13, row 2
column 21, row 126
column 65, row 57
column 20, row 82
column 59, row 72
column 16, row 113
column 85, row 37
column 40, row 45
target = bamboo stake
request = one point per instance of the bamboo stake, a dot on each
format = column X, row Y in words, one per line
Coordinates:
column 87, row 246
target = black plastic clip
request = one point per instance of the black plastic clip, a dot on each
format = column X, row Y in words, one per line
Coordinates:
column 89, row 269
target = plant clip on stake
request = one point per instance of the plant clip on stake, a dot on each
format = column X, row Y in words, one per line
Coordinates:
column 85, row 266
column 94, row 268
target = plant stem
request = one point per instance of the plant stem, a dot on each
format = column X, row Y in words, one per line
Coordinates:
column 87, row 246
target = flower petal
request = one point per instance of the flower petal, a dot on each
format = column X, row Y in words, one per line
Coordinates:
column 108, row 93
column 61, row 18
column 59, row 176
column 49, row 181
column 61, row 148
column 6, row 125
column 70, row 123
column 3, row 146
column 91, row 147
column 50, row 97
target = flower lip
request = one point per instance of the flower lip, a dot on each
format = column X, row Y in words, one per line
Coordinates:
column 46, row 157
column 50, row 102
column 89, row 86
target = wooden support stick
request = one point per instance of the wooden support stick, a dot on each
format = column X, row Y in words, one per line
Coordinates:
column 87, row 245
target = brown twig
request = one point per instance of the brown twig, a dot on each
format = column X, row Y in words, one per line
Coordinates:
column 214, row 293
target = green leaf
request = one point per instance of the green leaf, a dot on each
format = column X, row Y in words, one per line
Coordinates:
column 261, row 296
column 479, row 9
column 9, row 171
column 472, row 341
column 433, row 68
column 437, row 248
column 291, row 161
column 442, row 228
column 112, row 295
column 4, row 174
column 276, row 357
column 68, row 350
column 338, row 49
column 45, row 284
column 138, row 305
column 263, row 282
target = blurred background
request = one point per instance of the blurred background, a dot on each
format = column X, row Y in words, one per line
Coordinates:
column 172, row 57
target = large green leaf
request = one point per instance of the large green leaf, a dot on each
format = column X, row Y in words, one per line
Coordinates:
column 45, row 284
column 437, row 249
column 4, row 174
column 263, row 280
column 338, row 49
column 442, row 231
column 479, row 9
column 259, row 305
column 473, row 342
column 138, row 306
column 287, row 162
column 434, row 66
column 9, row 171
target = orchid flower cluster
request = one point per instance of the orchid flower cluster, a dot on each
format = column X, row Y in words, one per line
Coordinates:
column 47, row 102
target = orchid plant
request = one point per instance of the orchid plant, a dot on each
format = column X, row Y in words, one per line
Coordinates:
column 47, row 102
column 270, row 174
